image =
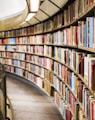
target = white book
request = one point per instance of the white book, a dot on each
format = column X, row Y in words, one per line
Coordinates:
column 86, row 69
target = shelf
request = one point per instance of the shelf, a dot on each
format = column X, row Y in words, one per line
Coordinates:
column 12, row 58
column 9, row 109
column 15, row 66
column 87, row 49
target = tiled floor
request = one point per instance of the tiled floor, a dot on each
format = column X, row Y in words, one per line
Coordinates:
column 29, row 103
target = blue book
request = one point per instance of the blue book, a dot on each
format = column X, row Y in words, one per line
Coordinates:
column 91, row 32
column 85, row 35
column 54, row 51
column 8, row 47
column 71, row 80
column 16, row 70
column 12, row 40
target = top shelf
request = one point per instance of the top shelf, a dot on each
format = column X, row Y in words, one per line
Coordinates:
column 49, row 26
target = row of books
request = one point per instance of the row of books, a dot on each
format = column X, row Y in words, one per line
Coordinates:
column 30, row 67
column 35, row 79
column 72, row 58
column 38, row 60
column 8, row 41
column 22, row 31
column 48, row 38
column 28, row 59
column 59, row 85
column 56, row 38
column 19, row 56
column 48, row 25
column 35, row 69
column 81, row 63
column 81, row 35
column 16, row 63
column 38, row 28
column 45, row 62
column 31, row 77
column 48, row 51
column 35, row 59
column 26, row 48
column 68, row 56
column 28, row 75
column 78, row 61
column 83, row 66
column 2, row 61
column 58, row 20
column 76, row 9
column 17, row 32
column 38, row 39
column 43, row 50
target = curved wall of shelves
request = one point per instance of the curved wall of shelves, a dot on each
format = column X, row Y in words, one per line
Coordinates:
column 58, row 55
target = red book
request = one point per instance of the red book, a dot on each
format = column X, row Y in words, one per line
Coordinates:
column 63, row 72
column 93, row 77
column 17, row 40
column 92, row 109
column 75, row 35
column 68, row 115
column 80, row 89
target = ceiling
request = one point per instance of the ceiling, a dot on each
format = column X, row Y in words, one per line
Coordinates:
column 47, row 8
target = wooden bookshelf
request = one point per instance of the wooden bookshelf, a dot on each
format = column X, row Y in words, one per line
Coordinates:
column 59, row 38
column 9, row 109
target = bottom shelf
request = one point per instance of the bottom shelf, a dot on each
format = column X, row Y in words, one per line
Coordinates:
column 9, row 114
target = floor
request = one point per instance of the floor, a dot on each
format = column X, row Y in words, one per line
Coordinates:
column 30, row 103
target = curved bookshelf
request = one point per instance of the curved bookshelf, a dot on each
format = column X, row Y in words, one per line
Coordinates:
column 75, row 39
column 53, row 85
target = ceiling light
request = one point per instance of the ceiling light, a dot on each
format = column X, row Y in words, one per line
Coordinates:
column 23, row 23
column 34, row 5
column 29, row 16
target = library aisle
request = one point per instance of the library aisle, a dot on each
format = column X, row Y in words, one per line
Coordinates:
column 30, row 103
